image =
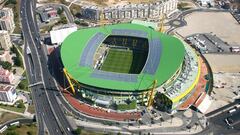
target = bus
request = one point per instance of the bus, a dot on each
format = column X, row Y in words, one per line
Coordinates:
column 3, row 129
column 15, row 123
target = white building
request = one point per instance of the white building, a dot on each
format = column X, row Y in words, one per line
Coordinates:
column 7, row 93
column 58, row 35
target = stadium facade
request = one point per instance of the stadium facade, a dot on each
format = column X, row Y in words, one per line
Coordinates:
column 124, row 65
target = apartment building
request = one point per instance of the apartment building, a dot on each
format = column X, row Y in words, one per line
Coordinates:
column 5, row 41
column 131, row 11
column 7, row 20
column 7, row 93
column 6, row 56
column 6, row 76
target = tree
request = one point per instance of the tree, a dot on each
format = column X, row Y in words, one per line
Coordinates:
column 6, row 65
column 77, row 21
column 77, row 131
column 17, row 61
column 21, row 86
column 29, row 133
column 14, row 71
column 11, row 2
column 20, row 105
column 59, row 10
column 13, row 49
column 63, row 20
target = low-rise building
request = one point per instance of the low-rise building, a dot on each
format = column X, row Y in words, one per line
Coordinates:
column 59, row 33
column 5, row 40
column 6, row 76
column 7, row 20
column 48, row 14
column 6, row 56
column 7, row 93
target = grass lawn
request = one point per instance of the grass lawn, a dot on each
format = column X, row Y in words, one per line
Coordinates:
column 118, row 61
column 124, row 61
column 6, row 116
column 22, row 130
column 87, row 132
column 13, row 107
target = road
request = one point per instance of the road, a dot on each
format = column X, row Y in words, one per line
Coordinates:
column 48, row 111
column 216, row 120
column 20, row 120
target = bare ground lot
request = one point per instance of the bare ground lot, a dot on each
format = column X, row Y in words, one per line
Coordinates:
column 223, row 63
column 225, row 84
column 220, row 23
column 6, row 116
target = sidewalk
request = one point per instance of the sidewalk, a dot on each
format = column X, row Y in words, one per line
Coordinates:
column 154, row 128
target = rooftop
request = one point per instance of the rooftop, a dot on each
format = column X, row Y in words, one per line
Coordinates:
column 5, row 88
column 166, row 54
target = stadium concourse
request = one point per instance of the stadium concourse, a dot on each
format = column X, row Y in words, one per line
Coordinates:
column 199, row 94
column 99, row 112
column 114, row 69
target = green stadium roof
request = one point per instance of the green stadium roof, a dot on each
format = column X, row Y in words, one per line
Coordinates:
column 172, row 56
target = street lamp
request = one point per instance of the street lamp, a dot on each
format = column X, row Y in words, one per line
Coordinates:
column 172, row 118
column 161, row 120
column 188, row 127
column 196, row 124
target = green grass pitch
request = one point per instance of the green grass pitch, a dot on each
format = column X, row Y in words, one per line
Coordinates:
column 124, row 61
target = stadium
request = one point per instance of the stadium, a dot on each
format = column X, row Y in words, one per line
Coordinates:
column 122, row 66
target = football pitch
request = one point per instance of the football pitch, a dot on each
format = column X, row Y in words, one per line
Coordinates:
column 124, row 61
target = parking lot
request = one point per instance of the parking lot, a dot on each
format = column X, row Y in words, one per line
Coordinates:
column 220, row 23
column 208, row 43
column 236, row 15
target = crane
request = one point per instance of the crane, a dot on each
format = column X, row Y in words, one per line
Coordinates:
column 151, row 96
column 161, row 27
column 72, row 82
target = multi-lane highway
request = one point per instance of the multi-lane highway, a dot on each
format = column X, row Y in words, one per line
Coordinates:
column 48, row 111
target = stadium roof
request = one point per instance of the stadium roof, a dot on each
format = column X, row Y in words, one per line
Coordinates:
column 146, row 23
column 78, row 48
